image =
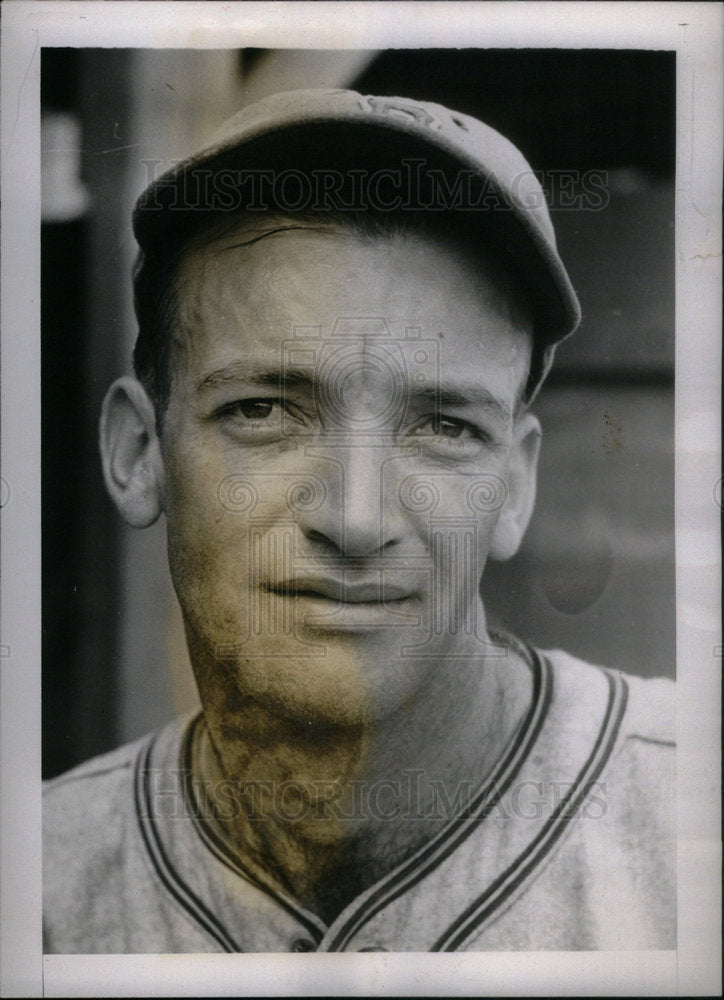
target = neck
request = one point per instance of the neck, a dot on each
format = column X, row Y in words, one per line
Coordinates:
column 321, row 807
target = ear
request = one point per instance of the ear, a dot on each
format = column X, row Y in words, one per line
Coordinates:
column 520, row 500
column 131, row 452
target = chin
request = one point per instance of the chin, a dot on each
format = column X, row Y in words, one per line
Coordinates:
column 320, row 678
column 337, row 691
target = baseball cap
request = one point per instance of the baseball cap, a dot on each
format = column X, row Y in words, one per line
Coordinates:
column 319, row 149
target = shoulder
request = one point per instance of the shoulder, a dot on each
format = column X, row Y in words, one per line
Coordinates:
column 630, row 725
column 105, row 768
column 93, row 847
column 625, row 840
column 614, row 731
column 83, row 806
column 89, row 809
column 645, row 705
column 92, row 788
column 110, row 768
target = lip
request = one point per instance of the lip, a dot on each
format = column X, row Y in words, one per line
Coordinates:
column 366, row 591
column 330, row 605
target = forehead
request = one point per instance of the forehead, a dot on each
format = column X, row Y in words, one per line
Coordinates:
column 250, row 287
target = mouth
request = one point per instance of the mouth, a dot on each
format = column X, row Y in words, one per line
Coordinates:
column 370, row 591
column 335, row 601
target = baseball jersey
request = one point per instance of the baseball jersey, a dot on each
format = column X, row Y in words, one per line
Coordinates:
column 567, row 844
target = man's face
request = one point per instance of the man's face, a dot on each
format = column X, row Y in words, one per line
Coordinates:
column 336, row 452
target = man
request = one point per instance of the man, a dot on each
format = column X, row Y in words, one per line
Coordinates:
column 346, row 307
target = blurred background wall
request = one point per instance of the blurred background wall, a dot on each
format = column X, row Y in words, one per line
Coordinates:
column 596, row 572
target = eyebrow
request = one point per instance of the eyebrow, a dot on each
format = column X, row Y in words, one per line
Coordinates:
column 445, row 394
column 240, row 372
column 442, row 394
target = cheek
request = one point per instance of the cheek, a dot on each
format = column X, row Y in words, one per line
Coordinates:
column 226, row 528
column 193, row 504
column 459, row 549
column 202, row 524
column 461, row 528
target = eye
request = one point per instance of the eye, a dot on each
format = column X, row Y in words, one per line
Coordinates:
column 261, row 420
column 449, row 435
column 252, row 411
column 252, row 419
column 444, row 427
column 255, row 409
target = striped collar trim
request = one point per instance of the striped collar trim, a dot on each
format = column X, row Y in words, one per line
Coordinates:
column 167, row 873
column 501, row 893
column 432, row 854
column 223, row 851
column 413, row 870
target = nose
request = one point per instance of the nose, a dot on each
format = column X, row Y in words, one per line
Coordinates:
column 360, row 515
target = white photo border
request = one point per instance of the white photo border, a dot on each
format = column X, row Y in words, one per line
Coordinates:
column 694, row 31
